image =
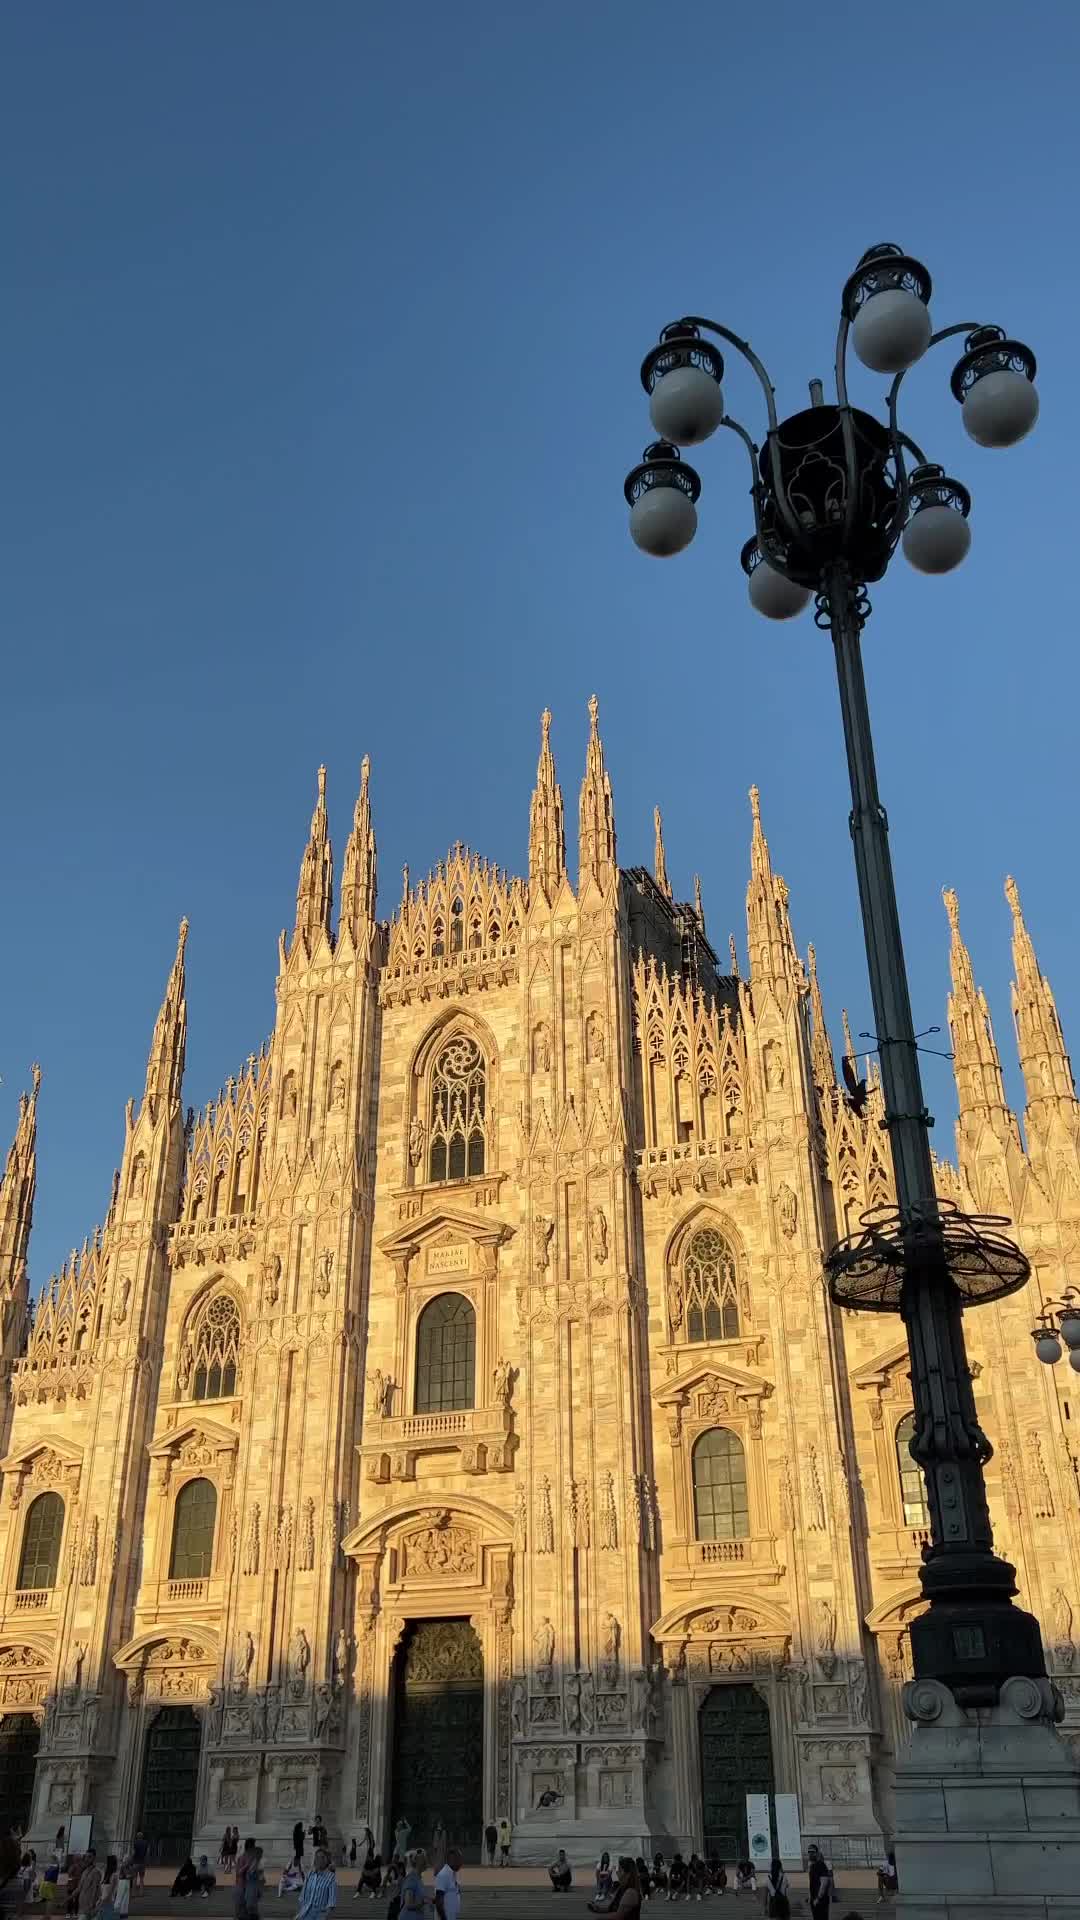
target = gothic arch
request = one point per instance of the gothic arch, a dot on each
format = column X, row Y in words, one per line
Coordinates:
column 705, row 1216
column 418, row 1117
column 439, row 1030
column 198, row 1347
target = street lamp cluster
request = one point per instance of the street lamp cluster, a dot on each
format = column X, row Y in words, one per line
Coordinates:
column 833, row 498
column 1059, row 1325
column 829, row 469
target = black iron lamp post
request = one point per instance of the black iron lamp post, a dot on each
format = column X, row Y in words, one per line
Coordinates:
column 833, row 498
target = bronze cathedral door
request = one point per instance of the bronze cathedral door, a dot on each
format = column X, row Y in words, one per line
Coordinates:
column 736, row 1759
column 170, row 1779
column 438, row 1769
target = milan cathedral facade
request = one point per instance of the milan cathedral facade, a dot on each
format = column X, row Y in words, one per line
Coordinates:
column 451, row 1422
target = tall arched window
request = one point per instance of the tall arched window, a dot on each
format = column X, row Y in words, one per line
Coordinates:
column 711, row 1292
column 39, row 1561
column 193, row 1531
column 458, row 1110
column 446, row 1355
column 217, row 1350
column 912, row 1484
column 721, row 1507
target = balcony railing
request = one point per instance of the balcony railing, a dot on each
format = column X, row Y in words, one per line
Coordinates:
column 31, row 1599
column 722, row 1552
column 187, row 1589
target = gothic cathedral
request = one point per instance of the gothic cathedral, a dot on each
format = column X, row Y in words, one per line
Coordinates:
column 450, row 1421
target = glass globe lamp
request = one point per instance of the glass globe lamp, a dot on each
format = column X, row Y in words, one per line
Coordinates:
column 662, row 493
column 887, row 302
column 994, row 383
column 682, row 378
column 937, row 535
column 771, row 592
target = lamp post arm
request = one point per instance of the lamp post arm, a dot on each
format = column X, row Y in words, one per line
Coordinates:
column 943, row 333
column 752, row 449
column 748, row 354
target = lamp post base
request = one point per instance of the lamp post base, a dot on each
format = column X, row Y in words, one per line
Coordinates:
column 987, row 1808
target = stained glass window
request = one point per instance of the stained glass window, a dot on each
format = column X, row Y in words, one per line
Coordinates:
column 217, row 1350
column 712, row 1299
column 458, row 1110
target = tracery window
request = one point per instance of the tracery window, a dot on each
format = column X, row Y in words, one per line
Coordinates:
column 710, row 1287
column 458, row 1110
column 446, row 1355
column 40, row 1558
column 217, row 1350
column 193, row 1531
column 912, row 1484
column 721, row 1506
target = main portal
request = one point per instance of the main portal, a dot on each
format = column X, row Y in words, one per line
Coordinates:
column 438, row 1770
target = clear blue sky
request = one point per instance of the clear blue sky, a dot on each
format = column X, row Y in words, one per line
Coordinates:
column 320, row 339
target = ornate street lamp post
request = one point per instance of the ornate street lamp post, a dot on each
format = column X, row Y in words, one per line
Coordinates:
column 833, row 498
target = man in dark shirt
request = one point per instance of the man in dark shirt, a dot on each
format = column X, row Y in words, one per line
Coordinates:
column 298, row 1842
column 820, row 1883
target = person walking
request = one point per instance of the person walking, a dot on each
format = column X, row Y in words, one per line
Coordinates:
column 90, row 1884
column 413, row 1895
column 254, row 1884
column 140, row 1851
column 447, row 1889
column 777, row 1893
column 115, row 1891
column 240, row 1879
column 505, row 1835
column 438, row 1847
column 821, row 1883
column 627, row 1889
column 298, row 1842
column 401, row 1836
column 318, row 1832
column 320, row 1888
column 491, row 1841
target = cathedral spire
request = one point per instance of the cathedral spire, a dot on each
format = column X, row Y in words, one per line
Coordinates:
column 660, row 872
column 165, row 1066
column 315, row 893
column 768, row 927
column 977, row 1065
column 699, row 909
column 596, row 813
column 359, row 877
column 823, row 1066
column 17, row 1196
column 547, row 830
column 1040, row 1043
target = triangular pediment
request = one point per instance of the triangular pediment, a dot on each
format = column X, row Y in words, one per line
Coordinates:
column 211, row 1434
column 875, row 1372
column 23, row 1460
column 444, row 1226
column 720, row 1374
